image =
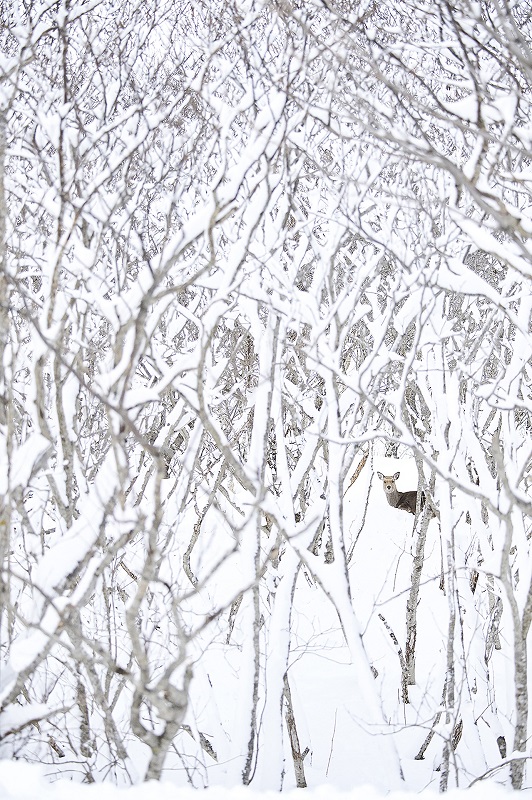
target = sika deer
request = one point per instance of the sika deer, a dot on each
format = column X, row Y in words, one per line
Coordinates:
column 404, row 501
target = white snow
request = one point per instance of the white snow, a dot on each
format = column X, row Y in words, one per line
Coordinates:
column 20, row 781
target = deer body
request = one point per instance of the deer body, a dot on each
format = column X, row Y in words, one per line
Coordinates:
column 404, row 501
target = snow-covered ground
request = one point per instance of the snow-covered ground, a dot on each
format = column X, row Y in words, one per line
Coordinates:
column 346, row 753
column 24, row 782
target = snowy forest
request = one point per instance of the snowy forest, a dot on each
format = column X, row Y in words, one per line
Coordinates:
column 254, row 253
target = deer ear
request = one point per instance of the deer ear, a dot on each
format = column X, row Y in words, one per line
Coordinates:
column 380, row 475
column 396, row 476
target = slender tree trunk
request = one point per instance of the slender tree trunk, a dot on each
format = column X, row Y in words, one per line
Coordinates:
column 297, row 756
column 450, row 667
column 520, row 630
column 413, row 599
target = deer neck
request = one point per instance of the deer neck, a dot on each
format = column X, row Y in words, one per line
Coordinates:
column 393, row 497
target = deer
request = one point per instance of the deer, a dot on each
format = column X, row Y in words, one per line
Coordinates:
column 404, row 501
